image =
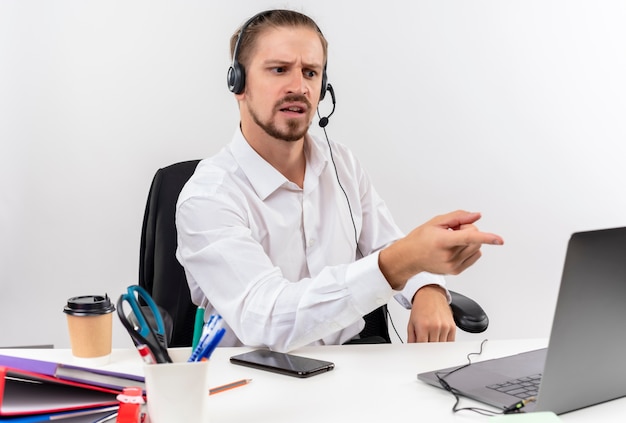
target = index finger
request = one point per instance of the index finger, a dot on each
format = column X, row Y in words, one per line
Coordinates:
column 466, row 237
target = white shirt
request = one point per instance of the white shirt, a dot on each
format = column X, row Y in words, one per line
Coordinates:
column 279, row 263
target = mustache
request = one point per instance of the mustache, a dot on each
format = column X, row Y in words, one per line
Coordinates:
column 293, row 98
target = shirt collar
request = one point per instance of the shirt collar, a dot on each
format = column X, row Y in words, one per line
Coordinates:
column 263, row 177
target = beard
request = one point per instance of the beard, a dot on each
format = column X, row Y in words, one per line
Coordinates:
column 294, row 130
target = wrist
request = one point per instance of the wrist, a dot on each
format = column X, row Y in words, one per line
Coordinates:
column 432, row 288
column 393, row 265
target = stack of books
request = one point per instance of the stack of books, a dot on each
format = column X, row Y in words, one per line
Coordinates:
column 37, row 391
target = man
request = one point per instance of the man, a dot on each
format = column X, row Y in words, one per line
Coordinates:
column 284, row 235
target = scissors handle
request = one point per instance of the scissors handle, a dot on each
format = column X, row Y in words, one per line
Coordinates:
column 141, row 317
column 150, row 333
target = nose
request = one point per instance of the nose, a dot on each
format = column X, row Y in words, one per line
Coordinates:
column 298, row 84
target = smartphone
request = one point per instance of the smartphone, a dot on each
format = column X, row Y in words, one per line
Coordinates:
column 287, row 364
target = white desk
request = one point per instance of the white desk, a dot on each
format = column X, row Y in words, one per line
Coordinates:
column 370, row 383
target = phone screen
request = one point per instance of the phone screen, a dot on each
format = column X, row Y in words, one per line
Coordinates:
column 288, row 364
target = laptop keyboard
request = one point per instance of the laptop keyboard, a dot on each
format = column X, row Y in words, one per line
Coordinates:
column 523, row 388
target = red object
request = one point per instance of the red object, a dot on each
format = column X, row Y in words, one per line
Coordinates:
column 146, row 354
column 130, row 400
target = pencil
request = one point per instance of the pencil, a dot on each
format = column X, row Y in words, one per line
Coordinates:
column 228, row 386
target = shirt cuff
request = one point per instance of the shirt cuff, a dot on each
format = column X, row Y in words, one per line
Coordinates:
column 416, row 282
column 368, row 287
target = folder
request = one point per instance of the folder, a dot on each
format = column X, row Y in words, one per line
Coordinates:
column 30, row 387
column 97, row 377
column 24, row 393
column 81, row 416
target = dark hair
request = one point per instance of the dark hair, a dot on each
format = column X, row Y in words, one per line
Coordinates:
column 274, row 19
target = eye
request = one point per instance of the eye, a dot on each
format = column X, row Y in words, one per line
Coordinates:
column 279, row 69
column 310, row 74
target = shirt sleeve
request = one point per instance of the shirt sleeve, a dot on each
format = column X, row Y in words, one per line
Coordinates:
column 224, row 262
column 378, row 230
column 405, row 297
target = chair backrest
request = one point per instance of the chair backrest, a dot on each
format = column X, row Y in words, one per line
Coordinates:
column 376, row 328
column 160, row 273
column 163, row 277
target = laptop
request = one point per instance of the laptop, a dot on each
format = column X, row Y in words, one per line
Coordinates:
column 584, row 363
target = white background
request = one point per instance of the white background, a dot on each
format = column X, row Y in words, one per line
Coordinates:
column 516, row 109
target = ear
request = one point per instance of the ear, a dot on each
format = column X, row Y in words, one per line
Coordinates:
column 240, row 97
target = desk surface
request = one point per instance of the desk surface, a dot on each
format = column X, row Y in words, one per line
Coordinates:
column 370, row 383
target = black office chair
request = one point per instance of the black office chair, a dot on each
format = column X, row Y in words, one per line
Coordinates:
column 164, row 278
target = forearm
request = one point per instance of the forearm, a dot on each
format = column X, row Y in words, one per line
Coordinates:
column 393, row 263
column 263, row 308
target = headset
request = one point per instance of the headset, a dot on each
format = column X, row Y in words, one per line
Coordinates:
column 236, row 76
column 324, row 120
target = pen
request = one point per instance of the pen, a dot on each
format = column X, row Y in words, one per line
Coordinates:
column 211, row 345
column 214, row 323
column 211, row 328
column 228, row 386
column 198, row 324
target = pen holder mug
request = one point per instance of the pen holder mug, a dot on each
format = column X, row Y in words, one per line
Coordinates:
column 178, row 391
column 90, row 325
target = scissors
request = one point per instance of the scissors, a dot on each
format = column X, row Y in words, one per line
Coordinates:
column 144, row 329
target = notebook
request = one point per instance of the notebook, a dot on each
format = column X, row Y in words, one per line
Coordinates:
column 583, row 364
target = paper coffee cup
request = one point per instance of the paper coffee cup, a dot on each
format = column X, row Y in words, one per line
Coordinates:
column 90, row 325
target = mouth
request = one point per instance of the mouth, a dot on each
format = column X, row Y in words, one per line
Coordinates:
column 293, row 109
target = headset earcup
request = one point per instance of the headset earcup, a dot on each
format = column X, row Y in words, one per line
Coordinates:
column 236, row 78
column 324, row 84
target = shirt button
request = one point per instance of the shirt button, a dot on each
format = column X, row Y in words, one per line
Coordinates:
column 380, row 301
column 310, row 243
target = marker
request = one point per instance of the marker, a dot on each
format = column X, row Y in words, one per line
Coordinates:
column 228, row 386
column 198, row 324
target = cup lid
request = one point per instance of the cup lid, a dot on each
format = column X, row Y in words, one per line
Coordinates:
column 89, row 305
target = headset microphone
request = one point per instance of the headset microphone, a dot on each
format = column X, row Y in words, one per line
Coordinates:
column 324, row 121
